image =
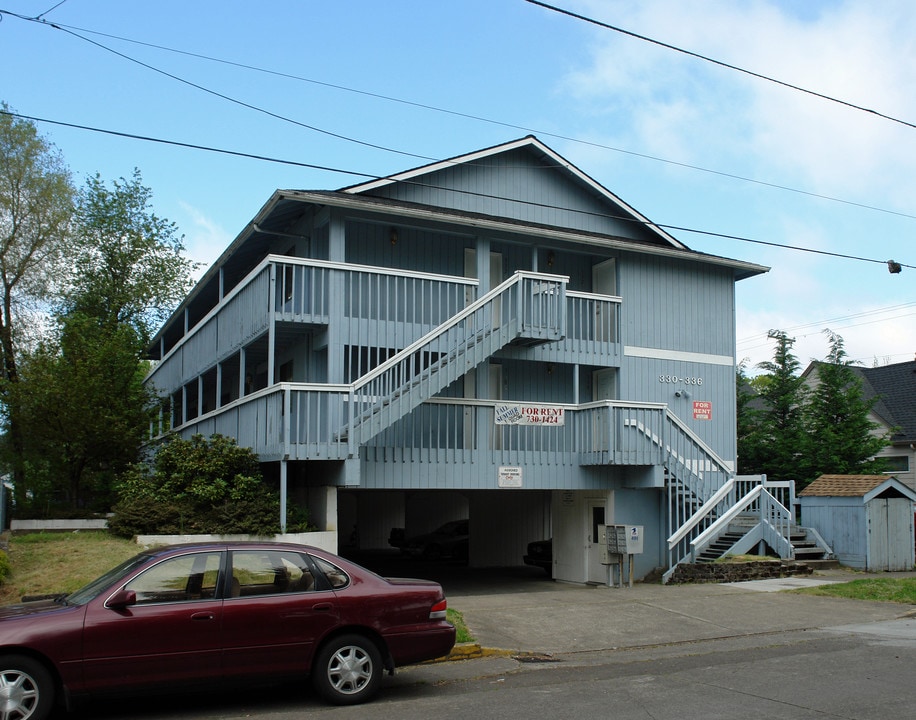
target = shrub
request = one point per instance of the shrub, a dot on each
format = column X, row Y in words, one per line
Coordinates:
column 199, row 486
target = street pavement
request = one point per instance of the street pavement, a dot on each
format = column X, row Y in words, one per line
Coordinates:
column 525, row 618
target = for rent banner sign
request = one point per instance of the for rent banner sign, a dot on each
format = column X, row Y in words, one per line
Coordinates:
column 523, row 414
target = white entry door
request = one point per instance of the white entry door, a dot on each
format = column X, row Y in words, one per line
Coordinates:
column 595, row 572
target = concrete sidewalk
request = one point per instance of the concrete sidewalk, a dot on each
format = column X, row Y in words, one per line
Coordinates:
column 555, row 618
column 528, row 622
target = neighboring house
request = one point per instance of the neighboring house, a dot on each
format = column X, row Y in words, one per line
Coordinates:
column 494, row 337
column 895, row 412
column 893, row 388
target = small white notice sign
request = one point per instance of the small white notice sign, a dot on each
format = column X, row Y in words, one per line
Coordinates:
column 510, row 477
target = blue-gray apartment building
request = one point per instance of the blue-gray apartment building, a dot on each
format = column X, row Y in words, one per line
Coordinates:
column 494, row 337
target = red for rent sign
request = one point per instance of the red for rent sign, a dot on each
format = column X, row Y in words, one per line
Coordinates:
column 702, row 410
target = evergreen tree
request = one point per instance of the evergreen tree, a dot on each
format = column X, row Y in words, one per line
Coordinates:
column 751, row 448
column 85, row 412
column 840, row 437
column 775, row 440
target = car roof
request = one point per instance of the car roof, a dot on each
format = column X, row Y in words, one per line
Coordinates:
column 231, row 545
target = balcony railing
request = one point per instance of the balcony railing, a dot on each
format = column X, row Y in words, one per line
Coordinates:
column 376, row 307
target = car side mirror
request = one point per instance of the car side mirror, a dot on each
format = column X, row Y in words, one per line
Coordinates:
column 121, row 599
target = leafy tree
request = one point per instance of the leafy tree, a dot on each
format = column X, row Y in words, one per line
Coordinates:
column 36, row 202
column 199, row 486
column 127, row 265
column 774, row 435
column 85, row 406
column 840, row 437
column 85, row 412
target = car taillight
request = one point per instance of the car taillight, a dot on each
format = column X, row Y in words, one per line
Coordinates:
column 437, row 611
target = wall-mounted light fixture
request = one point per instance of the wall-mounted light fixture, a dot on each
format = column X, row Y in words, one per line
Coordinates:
column 550, row 368
column 551, row 258
column 681, row 393
column 393, row 236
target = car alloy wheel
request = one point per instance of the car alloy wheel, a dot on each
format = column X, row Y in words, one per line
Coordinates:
column 348, row 670
column 26, row 689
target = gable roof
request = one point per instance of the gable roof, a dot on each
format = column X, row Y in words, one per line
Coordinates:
column 865, row 486
column 895, row 387
column 547, row 156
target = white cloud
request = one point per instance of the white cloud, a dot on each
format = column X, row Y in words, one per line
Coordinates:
column 204, row 238
column 631, row 94
column 671, row 101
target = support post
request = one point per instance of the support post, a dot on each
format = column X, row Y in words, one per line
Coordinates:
column 283, row 472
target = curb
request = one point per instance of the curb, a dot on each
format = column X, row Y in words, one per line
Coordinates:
column 472, row 651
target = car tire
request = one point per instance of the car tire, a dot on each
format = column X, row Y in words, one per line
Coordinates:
column 26, row 688
column 348, row 670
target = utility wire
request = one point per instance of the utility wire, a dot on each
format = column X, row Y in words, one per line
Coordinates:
column 371, row 176
column 41, row 15
column 191, row 146
column 476, row 118
column 220, row 95
column 772, row 244
column 842, row 318
column 720, row 63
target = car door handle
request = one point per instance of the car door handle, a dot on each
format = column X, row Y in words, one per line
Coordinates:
column 203, row 616
column 322, row 607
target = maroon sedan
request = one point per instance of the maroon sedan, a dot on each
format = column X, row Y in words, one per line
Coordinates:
column 192, row 614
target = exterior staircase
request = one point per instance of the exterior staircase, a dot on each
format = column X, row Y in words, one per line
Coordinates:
column 527, row 309
column 746, row 513
column 806, row 545
column 721, row 546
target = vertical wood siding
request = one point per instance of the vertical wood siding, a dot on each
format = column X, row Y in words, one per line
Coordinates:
column 516, row 185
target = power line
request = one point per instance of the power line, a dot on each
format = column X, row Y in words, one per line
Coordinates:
column 371, row 176
column 842, row 318
column 220, row 95
column 433, row 108
column 720, row 63
column 779, row 245
column 192, row 146
column 764, row 342
column 46, row 12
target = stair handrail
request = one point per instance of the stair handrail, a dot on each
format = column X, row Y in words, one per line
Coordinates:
column 819, row 539
column 516, row 278
column 390, row 365
column 704, row 510
column 710, row 453
column 737, row 509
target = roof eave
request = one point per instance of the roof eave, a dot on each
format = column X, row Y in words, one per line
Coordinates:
column 355, row 202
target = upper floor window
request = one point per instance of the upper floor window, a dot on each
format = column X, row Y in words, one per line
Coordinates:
column 896, row 463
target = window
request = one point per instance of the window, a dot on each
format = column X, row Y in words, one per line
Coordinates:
column 896, row 463
column 335, row 576
column 264, row 572
column 179, row 579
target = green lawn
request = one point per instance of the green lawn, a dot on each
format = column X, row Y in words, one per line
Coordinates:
column 44, row 563
column 898, row 590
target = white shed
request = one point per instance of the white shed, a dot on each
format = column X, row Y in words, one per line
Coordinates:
column 866, row 519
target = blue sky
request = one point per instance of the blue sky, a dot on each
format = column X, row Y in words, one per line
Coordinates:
column 376, row 87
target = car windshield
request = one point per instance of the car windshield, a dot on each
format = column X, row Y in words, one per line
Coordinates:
column 88, row 592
